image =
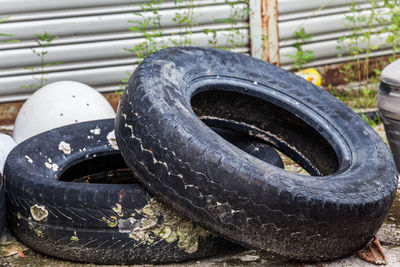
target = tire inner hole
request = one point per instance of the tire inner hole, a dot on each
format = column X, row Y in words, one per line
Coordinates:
column 218, row 106
column 109, row 169
column 112, row 169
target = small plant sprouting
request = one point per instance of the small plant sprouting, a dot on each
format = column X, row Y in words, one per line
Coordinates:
column 44, row 41
column 302, row 56
column 213, row 41
column 236, row 14
column 358, row 99
column 147, row 23
column 392, row 26
column 2, row 20
column 358, row 42
column 374, row 121
column 234, row 36
column 124, row 82
column 184, row 18
column 149, row 27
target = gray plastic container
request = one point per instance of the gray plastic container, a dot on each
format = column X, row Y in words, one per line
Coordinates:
column 389, row 106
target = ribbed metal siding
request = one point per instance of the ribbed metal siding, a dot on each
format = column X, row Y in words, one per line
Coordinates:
column 326, row 20
column 92, row 36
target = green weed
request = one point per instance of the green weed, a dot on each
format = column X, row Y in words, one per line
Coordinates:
column 357, row 98
column 44, row 41
column 372, row 121
column 149, row 27
column 2, row 20
column 392, row 25
column 358, row 42
column 302, row 56
column 184, row 19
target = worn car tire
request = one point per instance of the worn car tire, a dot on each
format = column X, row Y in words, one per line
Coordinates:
column 330, row 214
column 94, row 219
column 2, row 208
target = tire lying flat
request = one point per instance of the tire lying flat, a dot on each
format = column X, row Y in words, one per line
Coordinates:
column 93, row 219
column 330, row 214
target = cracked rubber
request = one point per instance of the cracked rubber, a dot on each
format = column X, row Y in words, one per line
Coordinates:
column 68, row 197
column 162, row 136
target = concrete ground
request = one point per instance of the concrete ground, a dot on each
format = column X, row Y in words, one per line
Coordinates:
column 13, row 253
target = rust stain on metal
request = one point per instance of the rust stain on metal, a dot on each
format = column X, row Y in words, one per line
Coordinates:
column 9, row 111
column 264, row 24
column 270, row 31
column 275, row 10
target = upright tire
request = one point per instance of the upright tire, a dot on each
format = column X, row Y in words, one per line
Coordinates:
column 330, row 214
column 70, row 195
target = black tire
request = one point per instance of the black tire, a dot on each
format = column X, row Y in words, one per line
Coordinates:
column 3, row 221
column 330, row 214
column 93, row 219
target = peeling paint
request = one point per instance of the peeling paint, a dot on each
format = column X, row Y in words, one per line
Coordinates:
column 39, row 213
column 112, row 140
column 118, row 210
column 147, row 210
column 38, row 232
column 125, row 225
column 65, row 147
column 112, row 222
column 159, row 222
column 28, row 159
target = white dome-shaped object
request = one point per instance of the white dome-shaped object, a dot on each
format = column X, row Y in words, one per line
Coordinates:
column 58, row 104
column 6, row 145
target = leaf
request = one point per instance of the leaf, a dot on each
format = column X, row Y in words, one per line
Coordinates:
column 373, row 252
column 10, row 41
column 54, row 63
column 135, row 29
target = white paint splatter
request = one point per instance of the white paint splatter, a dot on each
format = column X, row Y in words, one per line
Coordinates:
column 95, row 131
column 48, row 165
column 54, row 167
column 51, row 166
column 65, row 147
column 112, row 140
column 28, row 159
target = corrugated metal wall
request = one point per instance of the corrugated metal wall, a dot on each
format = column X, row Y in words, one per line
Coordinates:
column 326, row 19
column 93, row 35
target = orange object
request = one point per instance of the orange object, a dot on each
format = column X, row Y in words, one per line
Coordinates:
column 21, row 253
column 311, row 75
